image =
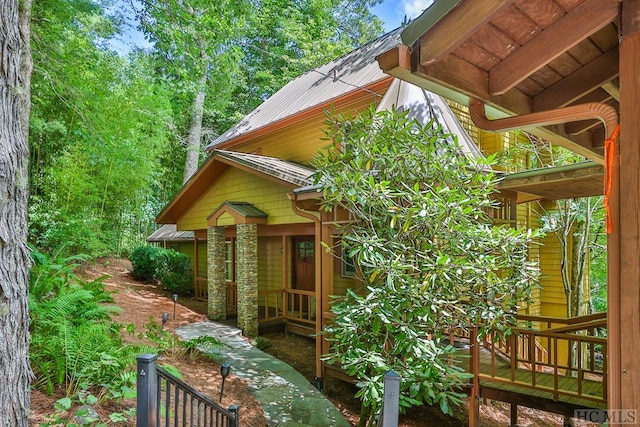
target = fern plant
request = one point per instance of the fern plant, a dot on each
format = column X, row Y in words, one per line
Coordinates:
column 74, row 341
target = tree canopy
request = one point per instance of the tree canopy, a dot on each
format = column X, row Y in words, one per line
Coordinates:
column 98, row 115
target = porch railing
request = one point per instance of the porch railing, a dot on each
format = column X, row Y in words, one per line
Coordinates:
column 572, row 365
column 201, row 289
column 271, row 305
column 201, row 293
column 232, row 298
column 290, row 304
column 164, row 400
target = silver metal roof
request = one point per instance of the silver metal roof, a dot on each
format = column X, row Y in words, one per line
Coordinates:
column 285, row 171
column 346, row 74
column 424, row 106
column 169, row 233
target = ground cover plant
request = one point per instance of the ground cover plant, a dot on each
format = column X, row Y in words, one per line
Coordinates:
column 430, row 260
column 75, row 344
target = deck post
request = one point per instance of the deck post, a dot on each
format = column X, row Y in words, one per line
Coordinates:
column 514, row 414
column 474, row 369
column 391, row 405
column 622, row 245
column 147, row 389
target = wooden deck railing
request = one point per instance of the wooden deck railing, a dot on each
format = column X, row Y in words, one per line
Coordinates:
column 232, row 298
column 301, row 306
column 290, row 304
column 572, row 365
column 271, row 305
column 201, row 289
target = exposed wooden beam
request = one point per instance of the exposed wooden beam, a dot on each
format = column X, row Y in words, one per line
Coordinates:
column 456, row 27
column 457, row 73
column 458, row 80
column 577, row 84
column 598, row 95
column 576, row 128
column 568, row 31
column 612, row 89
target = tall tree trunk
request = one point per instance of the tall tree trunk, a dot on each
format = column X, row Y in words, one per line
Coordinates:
column 15, row 77
column 195, row 129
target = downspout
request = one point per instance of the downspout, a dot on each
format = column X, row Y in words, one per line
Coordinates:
column 590, row 111
column 609, row 117
column 318, row 278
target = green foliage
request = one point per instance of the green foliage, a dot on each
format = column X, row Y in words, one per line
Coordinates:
column 66, row 416
column 261, row 342
column 173, row 270
column 429, row 257
column 144, row 261
column 163, row 340
column 100, row 126
column 74, row 341
column 205, row 343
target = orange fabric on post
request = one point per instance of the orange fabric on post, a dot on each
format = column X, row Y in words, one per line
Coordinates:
column 609, row 154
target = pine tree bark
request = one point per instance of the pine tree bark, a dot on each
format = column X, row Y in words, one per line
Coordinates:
column 15, row 77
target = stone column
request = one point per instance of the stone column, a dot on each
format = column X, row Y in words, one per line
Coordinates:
column 247, row 279
column 217, row 284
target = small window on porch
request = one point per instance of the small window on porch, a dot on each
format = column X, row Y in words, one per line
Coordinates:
column 348, row 265
column 229, row 270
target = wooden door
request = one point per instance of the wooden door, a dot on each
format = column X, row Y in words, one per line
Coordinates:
column 303, row 264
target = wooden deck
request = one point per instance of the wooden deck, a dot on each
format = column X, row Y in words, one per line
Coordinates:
column 560, row 394
column 559, row 367
column 556, row 365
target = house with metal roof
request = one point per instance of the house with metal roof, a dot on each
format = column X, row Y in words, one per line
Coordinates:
column 253, row 209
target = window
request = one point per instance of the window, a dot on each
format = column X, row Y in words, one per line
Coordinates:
column 348, row 266
column 229, row 271
column 305, row 249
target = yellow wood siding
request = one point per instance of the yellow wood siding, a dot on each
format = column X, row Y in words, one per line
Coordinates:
column 272, row 274
column 239, row 186
column 552, row 295
column 202, row 259
column 302, row 140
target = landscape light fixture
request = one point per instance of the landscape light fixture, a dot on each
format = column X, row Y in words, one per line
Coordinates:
column 175, row 299
column 225, row 369
column 165, row 317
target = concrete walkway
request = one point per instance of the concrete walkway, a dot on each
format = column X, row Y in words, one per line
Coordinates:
column 287, row 398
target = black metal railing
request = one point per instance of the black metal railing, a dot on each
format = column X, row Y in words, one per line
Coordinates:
column 166, row 401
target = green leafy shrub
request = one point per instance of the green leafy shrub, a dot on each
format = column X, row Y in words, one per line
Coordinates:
column 173, row 270
column 426, row 251
column 143, row 260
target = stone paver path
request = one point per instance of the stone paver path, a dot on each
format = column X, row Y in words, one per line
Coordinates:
column 287, row 398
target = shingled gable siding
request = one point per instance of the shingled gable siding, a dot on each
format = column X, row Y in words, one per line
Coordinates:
column 217, row 303
column 247, row 280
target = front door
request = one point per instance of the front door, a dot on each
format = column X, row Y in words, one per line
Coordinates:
column 304, row 263
column 303, row 270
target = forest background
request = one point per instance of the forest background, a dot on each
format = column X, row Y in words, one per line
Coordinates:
column 111, row 128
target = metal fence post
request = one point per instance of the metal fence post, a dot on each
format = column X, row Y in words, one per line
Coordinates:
column 391, row 405
column 147, row 391
column 235, row 410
